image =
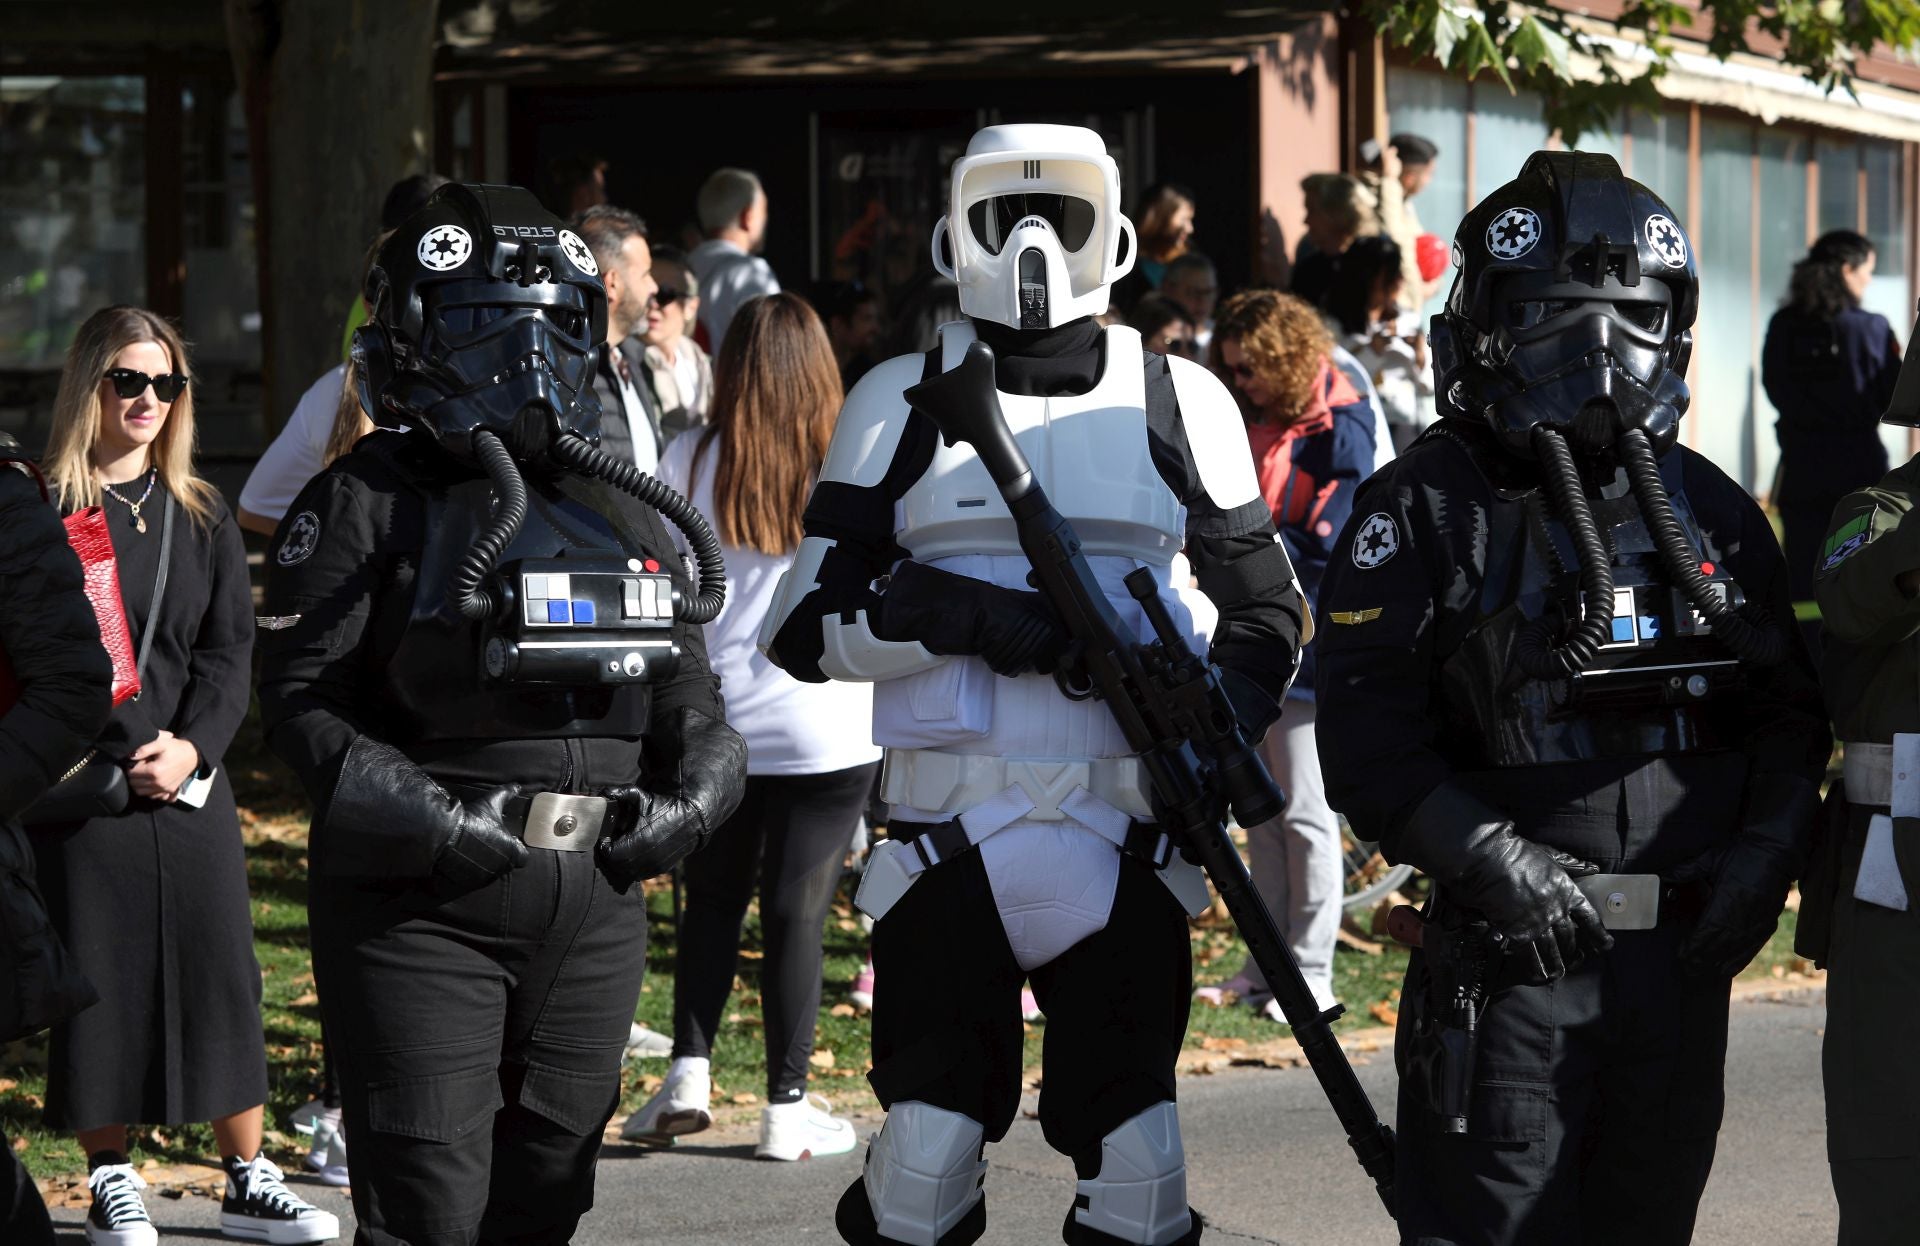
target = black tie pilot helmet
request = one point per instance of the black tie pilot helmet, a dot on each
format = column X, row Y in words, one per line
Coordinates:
column 483, row 313
column 1572, row 308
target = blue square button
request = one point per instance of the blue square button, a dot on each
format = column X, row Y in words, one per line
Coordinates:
column 583, row 612
column 556, row 612
column 1622, row 629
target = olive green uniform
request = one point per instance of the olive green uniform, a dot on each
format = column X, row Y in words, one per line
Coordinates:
column 1871, row 675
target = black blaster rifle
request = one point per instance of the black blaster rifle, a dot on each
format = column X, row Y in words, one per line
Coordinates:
column 1176, row 717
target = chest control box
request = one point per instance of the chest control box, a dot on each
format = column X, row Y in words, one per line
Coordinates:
column 588, row 619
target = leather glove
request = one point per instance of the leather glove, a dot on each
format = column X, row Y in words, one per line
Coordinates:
column 697, row 770
column 1526, row 892
column 1750, row 877
column 1014, row 631
column 386, row 818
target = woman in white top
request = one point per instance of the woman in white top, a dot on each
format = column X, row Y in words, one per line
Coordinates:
column 810, row 755
column 1361, row 306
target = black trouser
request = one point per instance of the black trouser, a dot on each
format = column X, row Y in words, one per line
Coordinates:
column 946, row 1013
column 1597, row 1098
column 23, row 1216
column 1803, row 527
column 479, row 1041
column 790, row 834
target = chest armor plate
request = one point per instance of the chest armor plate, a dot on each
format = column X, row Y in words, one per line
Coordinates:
column 1089, row 452
column 1648, row 692
column 436, row 681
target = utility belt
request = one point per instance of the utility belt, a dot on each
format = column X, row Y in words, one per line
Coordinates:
column 1106, row 795
column 557, row 821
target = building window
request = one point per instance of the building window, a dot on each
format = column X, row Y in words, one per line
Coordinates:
column 72, row 210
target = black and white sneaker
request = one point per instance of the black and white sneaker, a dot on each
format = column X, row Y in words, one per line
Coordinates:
column 119, row 1215
column 260, row 1208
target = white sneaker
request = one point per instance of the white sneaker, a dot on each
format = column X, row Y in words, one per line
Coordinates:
column 646, row 1044
column 800, row 1130
column 679, row 1107
column 306, row 1114
column 328, row 1157
column 260, row 1208
column 119, row 1214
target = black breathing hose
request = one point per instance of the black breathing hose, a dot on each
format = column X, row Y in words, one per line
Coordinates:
column 1537, row 654
column 1763, row 646
column 463, row 590
column 577, row 453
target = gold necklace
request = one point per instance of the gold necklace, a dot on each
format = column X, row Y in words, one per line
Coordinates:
column 139, row 524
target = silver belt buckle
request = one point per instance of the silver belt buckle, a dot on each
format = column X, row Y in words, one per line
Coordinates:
column 563, row 823
column 1624, row 901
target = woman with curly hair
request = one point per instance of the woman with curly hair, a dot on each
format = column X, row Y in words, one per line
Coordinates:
column 1313, row 442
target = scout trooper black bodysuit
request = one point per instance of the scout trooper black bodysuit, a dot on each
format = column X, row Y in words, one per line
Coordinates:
column 1021, row 843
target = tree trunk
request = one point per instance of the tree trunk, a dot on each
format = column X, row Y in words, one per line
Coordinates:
column 339, row 100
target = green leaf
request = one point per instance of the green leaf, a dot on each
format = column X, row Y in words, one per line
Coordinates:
column 1554, row 47
column 1448, row 29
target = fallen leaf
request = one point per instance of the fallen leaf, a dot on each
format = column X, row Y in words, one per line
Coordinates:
column 1385, row 1013
column 843, row 1010
column 6, row 1084
column 1222, row 1044
column 305, row 1001
column 821, row 1059
column 745, row 1098
column 847, row 923
column 19, row 1146
column 747, row 953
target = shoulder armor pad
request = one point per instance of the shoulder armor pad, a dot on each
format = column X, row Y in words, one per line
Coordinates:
column 871, row 423
column 1216, row 434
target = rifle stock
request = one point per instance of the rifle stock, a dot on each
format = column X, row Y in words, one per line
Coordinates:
column 1171, row 709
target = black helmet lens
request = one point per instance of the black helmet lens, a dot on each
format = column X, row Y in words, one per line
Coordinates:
column 993, row 221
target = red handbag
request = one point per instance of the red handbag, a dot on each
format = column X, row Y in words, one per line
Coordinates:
column 87, row 533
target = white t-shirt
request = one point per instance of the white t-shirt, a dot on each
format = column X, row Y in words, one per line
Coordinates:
column 298, row 453
column 790, row 727
column 728, row 277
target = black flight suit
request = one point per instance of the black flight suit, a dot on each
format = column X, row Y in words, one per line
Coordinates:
column 1595, row 1098
column 479, row 1035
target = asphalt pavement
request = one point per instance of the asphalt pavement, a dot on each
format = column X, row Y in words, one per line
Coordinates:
column 1266, row 1164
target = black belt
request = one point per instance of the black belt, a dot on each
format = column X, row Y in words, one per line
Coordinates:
column 936, row 842
column 560, row 821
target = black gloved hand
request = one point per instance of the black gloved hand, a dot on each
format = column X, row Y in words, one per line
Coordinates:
column 697, row 770
column 386, row 818
column 477, row 847
column 1526, row 892
column 1014, row 631
column 1750, row 877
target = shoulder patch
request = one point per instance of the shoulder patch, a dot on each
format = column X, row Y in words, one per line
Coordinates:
column 303, row 535
column 1376, row 540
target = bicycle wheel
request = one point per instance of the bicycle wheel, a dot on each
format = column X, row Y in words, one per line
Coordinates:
column 1369, row 878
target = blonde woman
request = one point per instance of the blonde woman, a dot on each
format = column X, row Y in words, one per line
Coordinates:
column 153, row 901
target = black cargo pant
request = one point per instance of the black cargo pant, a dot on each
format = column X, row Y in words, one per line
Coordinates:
column 946, row 1012
column 479, row 1039
column 1596, row 1099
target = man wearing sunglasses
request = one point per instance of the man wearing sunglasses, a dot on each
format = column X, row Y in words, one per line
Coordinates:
column 680, row 370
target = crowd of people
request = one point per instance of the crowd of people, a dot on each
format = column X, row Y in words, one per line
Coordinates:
column 713, row 379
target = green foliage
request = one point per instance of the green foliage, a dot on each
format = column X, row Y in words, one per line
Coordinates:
column 1533, row 49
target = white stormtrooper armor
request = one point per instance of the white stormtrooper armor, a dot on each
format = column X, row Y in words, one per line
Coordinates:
column 1034, row 225
column 1042, row 787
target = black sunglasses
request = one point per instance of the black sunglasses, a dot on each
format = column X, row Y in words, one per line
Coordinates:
column 129, row 383
column 664, row 297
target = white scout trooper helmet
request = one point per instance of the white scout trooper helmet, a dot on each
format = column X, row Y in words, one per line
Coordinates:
column 1034, row 226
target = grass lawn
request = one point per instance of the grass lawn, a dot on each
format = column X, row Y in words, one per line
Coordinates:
column 274, row 822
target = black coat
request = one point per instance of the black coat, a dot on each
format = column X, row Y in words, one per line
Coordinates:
column 52, row 643
column 1830, row 380
column 48, row 632
column 153, row 902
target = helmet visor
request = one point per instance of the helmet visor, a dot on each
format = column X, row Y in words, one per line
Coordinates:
column 992, row 221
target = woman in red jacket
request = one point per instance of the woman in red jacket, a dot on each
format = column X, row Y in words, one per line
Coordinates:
column 1313, row 443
